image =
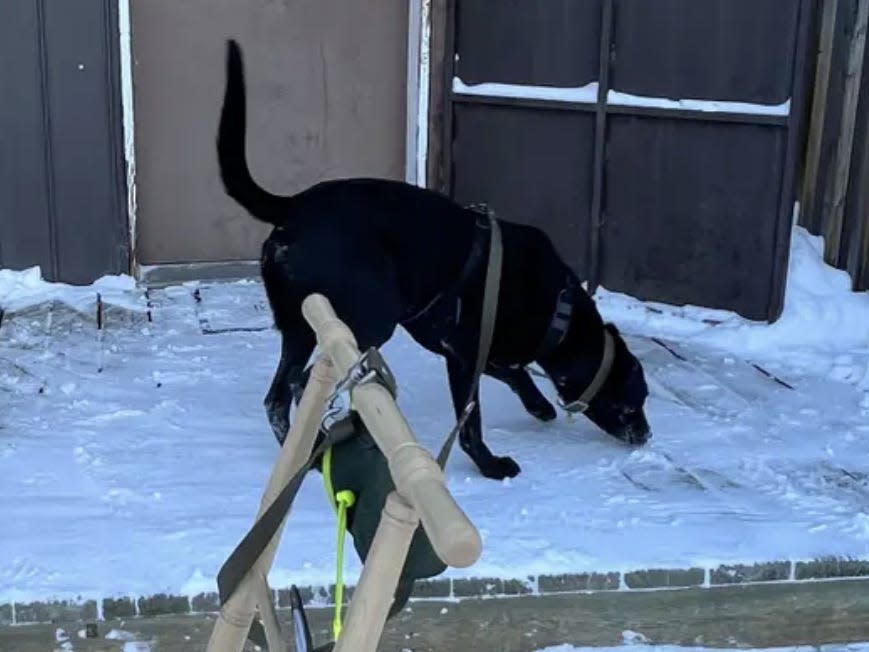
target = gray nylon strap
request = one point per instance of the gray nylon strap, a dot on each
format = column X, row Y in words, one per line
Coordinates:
column 487, row 330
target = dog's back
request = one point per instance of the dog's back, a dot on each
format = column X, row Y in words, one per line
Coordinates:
column 419, row 237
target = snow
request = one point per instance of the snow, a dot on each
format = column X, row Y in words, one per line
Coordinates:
column 133, row 458
column 21, row 290
column 587, row 93
column 843, row 647
column 136, row 646
column 619, row 98
column 824, row 326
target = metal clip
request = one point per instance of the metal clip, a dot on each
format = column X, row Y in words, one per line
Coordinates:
column 574, row 407
column 371, row 366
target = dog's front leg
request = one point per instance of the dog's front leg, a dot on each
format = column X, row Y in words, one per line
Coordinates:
column 288, row 381
column 471, row 434
column 519, row 380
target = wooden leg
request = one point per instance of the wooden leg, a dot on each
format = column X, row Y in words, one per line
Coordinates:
column 233, row 622
column 373, row 595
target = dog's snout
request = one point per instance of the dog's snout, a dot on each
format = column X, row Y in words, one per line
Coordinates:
column 639, row 436
column 636, row 431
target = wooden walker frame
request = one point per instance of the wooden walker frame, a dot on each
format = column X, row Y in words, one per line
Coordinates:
column 420, row 495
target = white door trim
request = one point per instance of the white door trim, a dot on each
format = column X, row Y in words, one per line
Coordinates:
column 418, row 69
column 126, row 64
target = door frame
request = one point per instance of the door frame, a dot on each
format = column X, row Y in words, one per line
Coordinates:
column 419, row 26
column 129, row 124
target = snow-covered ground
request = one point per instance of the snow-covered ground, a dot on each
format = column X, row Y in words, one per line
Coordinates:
column 823, row 329
column 133, row 457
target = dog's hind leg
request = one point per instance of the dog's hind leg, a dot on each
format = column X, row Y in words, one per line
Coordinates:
column 288, row 381
column 519, row 380
column 471, row 435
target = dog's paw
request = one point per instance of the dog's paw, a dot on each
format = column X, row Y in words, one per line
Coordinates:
column 498, row 468
column 280, row 426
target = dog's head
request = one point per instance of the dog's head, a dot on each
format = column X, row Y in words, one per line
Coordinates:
column 611, row 390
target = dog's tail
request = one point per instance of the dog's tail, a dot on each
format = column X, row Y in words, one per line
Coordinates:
column 234, row 172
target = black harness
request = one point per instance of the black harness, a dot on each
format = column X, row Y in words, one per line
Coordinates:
column 560, row 321
column 561, row 317
column 475, row 257
column 555, row 335
column 558, row 324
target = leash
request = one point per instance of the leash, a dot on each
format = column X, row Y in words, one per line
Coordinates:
column 487, row 330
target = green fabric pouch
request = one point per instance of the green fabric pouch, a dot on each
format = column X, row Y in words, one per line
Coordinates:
column 358, row 465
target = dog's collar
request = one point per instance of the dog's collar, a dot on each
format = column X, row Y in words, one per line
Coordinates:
column 609, row 355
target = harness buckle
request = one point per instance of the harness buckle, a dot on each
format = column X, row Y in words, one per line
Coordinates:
column 577, row 406
column 480, row 207
column 370, row 367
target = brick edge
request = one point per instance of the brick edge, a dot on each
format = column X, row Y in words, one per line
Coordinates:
column 796, row 572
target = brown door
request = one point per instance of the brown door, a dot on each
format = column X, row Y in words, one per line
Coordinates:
column 326, row 99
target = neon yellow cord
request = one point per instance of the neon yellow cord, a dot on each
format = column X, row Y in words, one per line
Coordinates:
column 345, row 501
column 341, row 501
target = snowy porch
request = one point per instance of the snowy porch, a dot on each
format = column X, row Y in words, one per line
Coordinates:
column 121, row 413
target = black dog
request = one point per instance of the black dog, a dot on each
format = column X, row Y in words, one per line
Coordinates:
column 388, row 253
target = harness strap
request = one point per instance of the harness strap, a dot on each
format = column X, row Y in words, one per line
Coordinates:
column 560, row 322
column 609, row 354
column 487, row 330
column 456, row 287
